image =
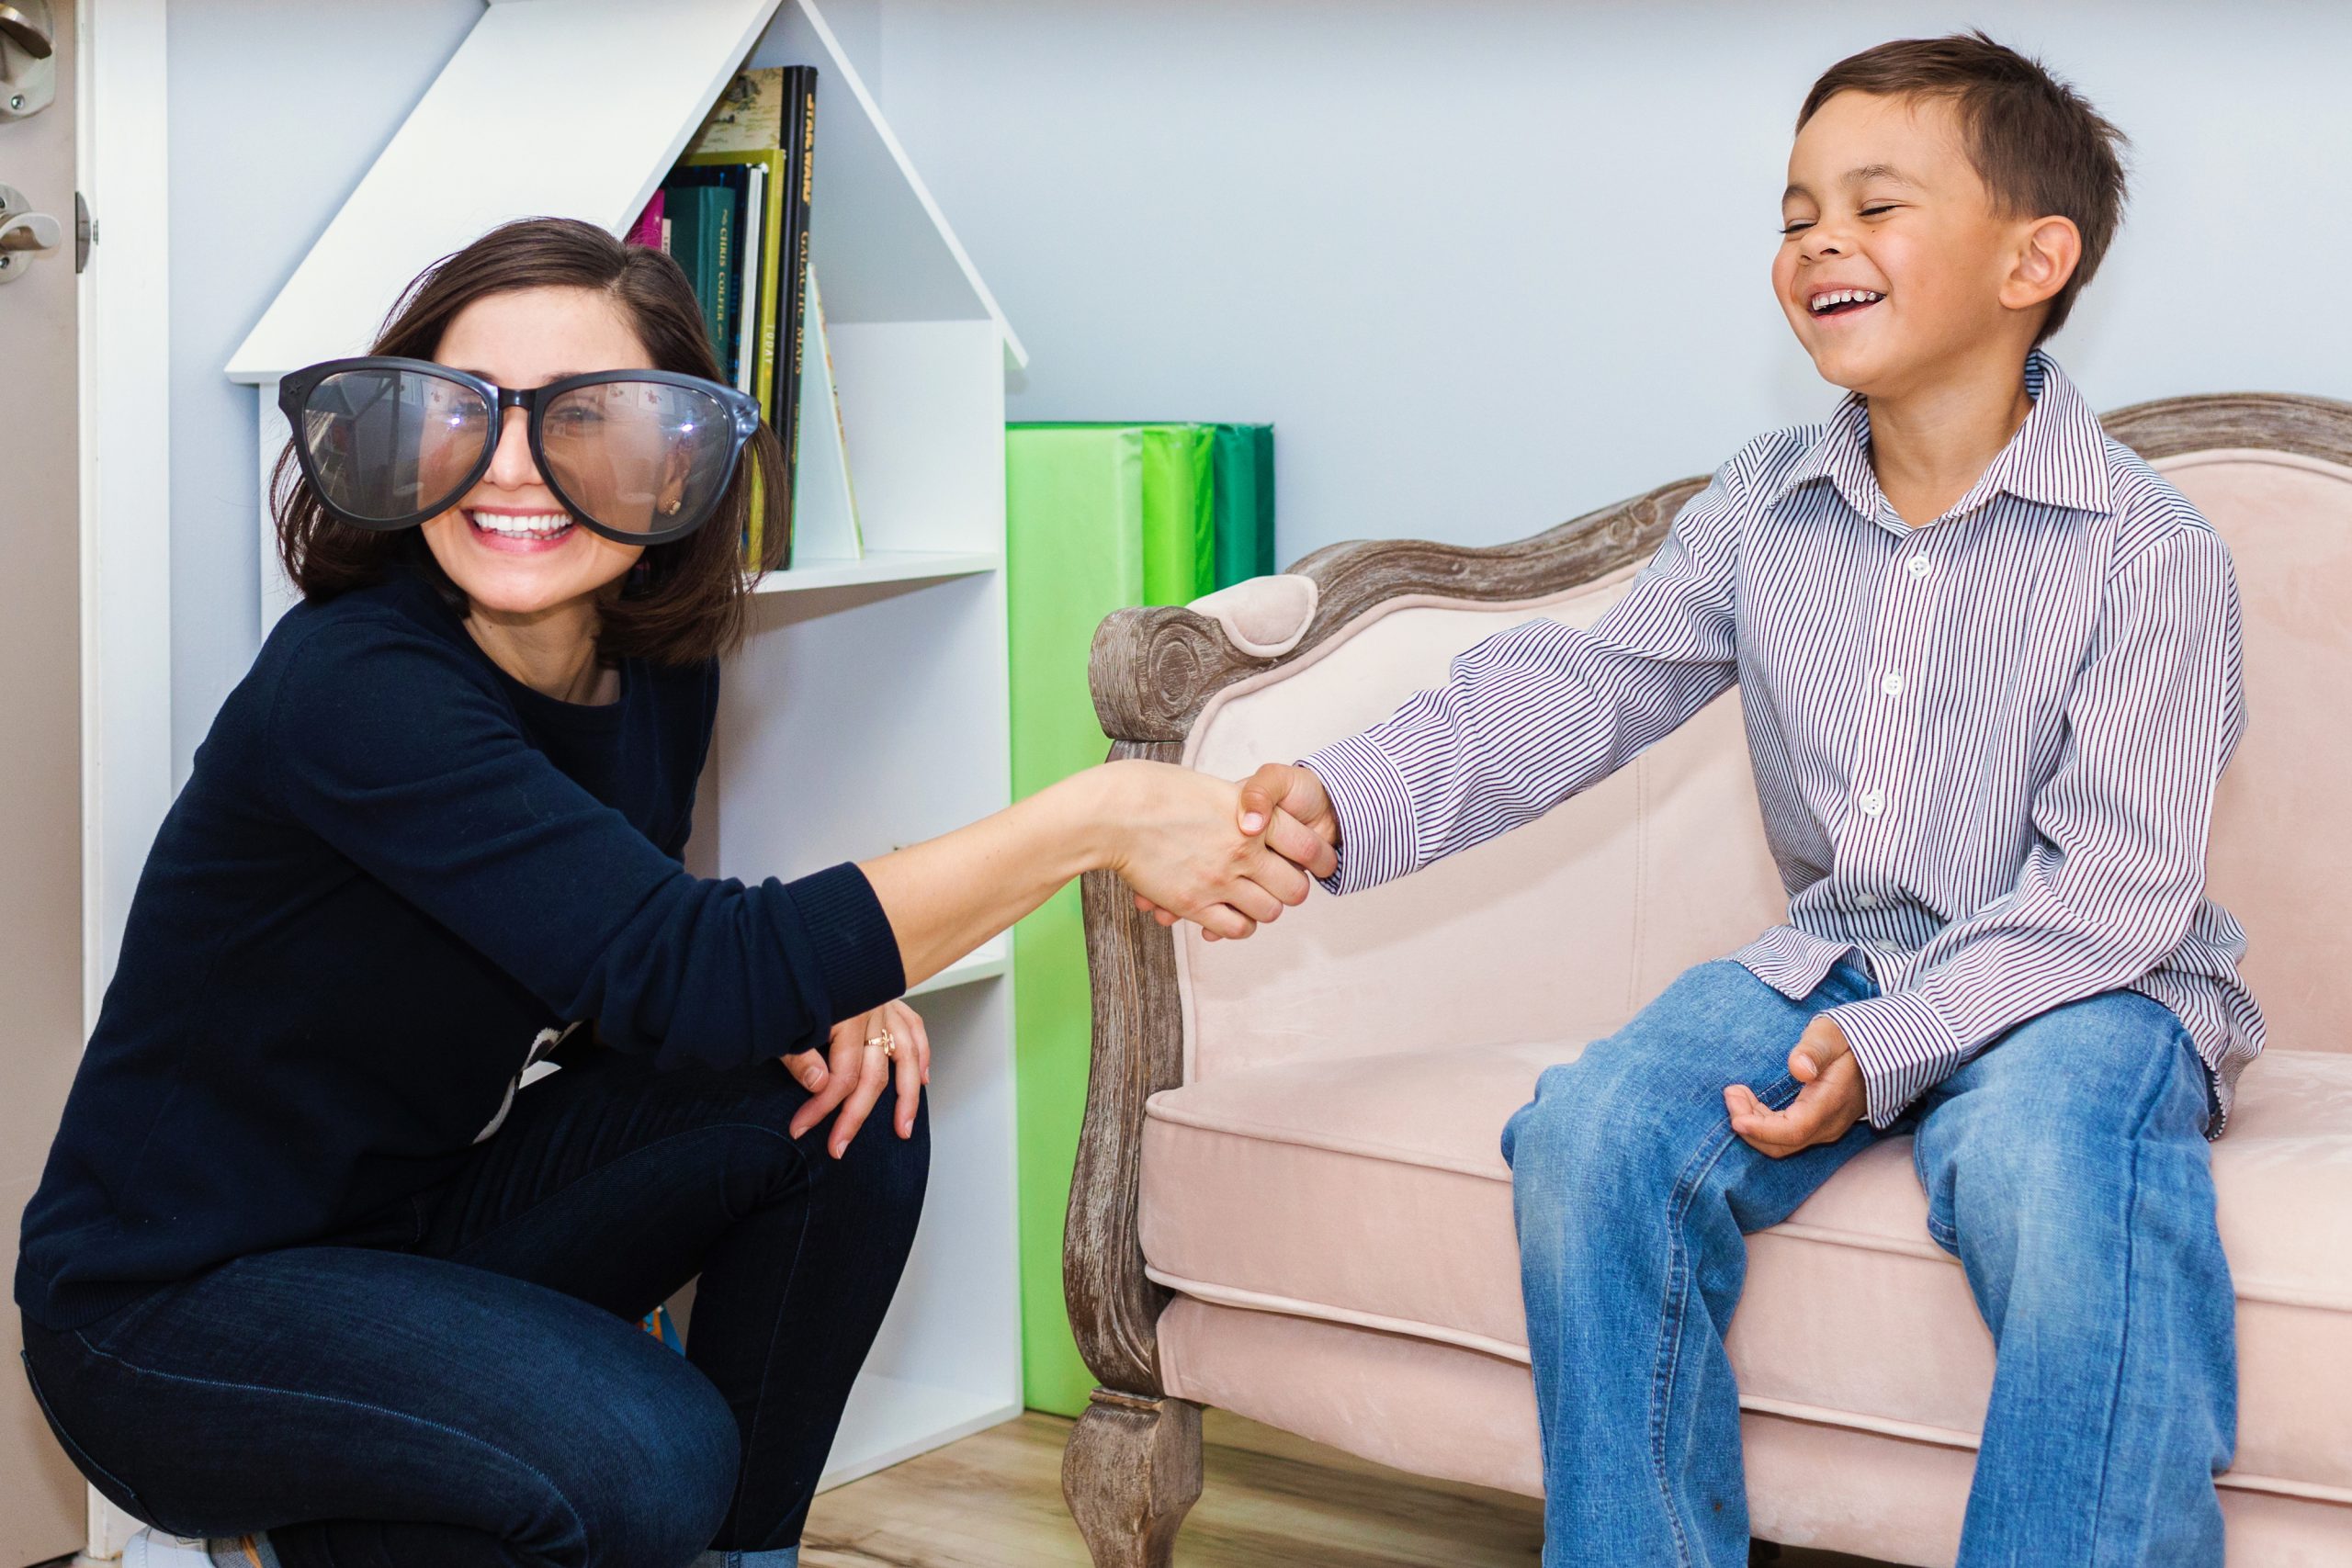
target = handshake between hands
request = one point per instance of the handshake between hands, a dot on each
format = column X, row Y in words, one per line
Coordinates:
column 1287, row 832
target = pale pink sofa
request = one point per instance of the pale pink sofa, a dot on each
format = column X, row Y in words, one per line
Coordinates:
column 1290, row 1202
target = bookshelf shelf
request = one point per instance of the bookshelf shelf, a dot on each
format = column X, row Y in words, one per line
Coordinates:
column 881, row 566
column 994, row 957
column 848, row 722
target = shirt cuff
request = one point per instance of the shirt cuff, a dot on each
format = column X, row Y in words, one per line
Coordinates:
column 1902, row 1046
column 1374, row 810
column 850, row 937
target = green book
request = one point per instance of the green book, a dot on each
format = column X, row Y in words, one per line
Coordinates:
column 1243, row 483
column 702, row 218
column 1098, row 517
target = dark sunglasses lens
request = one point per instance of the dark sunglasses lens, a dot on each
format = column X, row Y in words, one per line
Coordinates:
column 639, row 456
column 386, row 444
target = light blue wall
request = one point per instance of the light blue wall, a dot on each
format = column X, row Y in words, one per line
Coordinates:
column 1491, row 262
column 277, row 107
column 1488, row 262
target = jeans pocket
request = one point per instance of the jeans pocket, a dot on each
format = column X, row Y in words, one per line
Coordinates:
column 108, row 1485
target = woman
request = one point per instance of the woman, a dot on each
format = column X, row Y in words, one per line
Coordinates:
column 306, row 1275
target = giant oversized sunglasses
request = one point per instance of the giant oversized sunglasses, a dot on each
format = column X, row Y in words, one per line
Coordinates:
column 642, row 456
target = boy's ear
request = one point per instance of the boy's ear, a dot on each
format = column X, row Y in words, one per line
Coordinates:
column 2049, row 249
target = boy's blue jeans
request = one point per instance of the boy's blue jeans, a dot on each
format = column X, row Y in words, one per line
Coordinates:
column 2066, row 1166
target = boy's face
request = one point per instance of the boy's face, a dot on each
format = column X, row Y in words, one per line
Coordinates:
column 1884, row 202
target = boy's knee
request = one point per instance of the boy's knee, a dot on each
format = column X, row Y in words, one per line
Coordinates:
column 1588, row 1127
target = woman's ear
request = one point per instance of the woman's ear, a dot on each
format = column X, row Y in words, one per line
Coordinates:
column 2048, row 252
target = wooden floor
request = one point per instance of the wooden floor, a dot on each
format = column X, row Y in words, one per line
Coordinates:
column 995, row 1501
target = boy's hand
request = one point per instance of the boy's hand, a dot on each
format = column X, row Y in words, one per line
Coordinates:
column 1830, row 1102
column 1286, row 804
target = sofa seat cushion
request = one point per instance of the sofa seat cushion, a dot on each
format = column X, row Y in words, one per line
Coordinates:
column 1374, row 1192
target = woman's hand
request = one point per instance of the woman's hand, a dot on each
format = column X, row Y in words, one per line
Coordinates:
column 1287, row 803
column 1181, row 847
column 861, row 1070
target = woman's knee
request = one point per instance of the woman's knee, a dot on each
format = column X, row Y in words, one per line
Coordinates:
column 891, row 1173
column 650, row 1477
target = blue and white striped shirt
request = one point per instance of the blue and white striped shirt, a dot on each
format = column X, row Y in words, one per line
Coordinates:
column 1985, row 748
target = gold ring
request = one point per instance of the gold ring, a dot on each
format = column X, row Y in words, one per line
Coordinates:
column 886, row 1041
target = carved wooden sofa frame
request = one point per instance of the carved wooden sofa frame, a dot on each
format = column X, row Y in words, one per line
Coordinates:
column 1133, row 1464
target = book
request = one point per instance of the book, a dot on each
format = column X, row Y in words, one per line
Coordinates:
column 824, row 501
column 1243, row 458
column 798, row 108
column 747, row 292
column 747, row 117
column 717, row 269
column 702, row 241
column 649, row 227
column 759, row 285
column 762, row 134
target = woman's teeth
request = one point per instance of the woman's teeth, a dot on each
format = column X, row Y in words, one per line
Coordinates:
column 522, row 526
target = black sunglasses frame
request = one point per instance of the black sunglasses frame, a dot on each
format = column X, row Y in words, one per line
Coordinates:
column 294, row 396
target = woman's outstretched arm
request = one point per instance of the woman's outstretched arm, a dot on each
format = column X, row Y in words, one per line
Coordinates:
column 1169, row 831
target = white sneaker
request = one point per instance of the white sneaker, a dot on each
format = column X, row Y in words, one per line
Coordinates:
column 148, row 1549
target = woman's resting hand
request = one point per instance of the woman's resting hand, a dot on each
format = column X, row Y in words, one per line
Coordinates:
column 859, row 1073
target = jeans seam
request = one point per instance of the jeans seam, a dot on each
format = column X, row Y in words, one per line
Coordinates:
column 767, row 1357
column 75, row 1448
column 1672, row 1309
column 2149, row 1095
column 578, row 1525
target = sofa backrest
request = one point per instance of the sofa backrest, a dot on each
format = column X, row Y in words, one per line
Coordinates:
column 1562, row 930
column 2281, row 856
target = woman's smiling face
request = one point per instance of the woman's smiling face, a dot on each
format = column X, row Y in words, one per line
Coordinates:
column 509, row 545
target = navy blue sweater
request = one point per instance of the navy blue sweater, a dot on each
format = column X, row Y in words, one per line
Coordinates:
column 394, row 866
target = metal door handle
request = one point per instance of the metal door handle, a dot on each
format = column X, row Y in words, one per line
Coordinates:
column 27, row 58
column 27, row 23
column 23, row 235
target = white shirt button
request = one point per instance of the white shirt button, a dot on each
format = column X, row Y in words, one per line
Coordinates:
column 1866, row 900
column 1892, row 683
column 1917, row 567
column 1872, row 801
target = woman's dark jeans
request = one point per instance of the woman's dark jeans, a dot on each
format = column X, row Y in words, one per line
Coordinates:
column 473, row 1389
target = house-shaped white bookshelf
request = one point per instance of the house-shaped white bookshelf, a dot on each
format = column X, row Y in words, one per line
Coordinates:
column 867, row 708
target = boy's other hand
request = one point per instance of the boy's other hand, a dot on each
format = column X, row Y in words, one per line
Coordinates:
column 1286, row 804
column 1830, row 1102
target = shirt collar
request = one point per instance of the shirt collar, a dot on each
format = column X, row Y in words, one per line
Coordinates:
column 2058, row 458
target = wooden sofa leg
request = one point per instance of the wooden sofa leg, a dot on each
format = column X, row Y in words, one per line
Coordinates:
column 1131, row 1472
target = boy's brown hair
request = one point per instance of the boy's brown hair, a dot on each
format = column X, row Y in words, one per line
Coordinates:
column 2038, row 145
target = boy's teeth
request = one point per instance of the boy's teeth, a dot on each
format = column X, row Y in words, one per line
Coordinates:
column 535, row 525
column 1845, row 297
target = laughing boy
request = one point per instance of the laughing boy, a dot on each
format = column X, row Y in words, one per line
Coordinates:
column 1990, row 669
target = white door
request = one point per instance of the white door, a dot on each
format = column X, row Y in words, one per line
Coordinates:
column 42, row 1508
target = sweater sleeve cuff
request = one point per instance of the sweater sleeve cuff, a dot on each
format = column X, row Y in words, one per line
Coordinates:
column 849, row 936
column 1376, row 812
column 1902, row 1046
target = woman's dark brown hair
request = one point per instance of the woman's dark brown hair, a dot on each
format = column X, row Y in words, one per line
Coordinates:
column 683, row 601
